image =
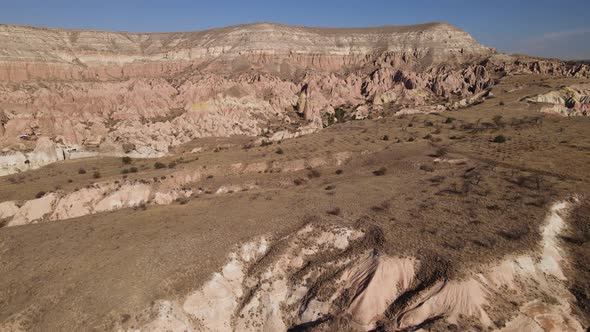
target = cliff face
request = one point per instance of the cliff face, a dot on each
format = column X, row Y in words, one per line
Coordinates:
column 114, row 93
column 37, row 53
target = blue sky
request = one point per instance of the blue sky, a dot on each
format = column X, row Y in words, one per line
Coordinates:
column 558, row 28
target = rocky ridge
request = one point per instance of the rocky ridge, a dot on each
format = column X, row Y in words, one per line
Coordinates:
column 114, row 93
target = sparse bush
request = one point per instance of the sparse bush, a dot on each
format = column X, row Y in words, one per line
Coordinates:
column 81, row 171
column 339, row 171
column 449, row 120
column 484, row 242
column 426, row 168
column 313, row 173
column 513, row 234
column 299, row 181
column 172, row 164
column 385, row 138
column 248, row 146
column 428, row 124
column 141, row 206
column 439, row 153
column 40, row 194
column 339, row 113
column 330, row 187
column 498, row 121
column 437, row 179
column 499, row 139
column 159, row 165
column 265, row 143
column 279, row 151
column 528, row 181
column 501, row 103
column 182, row 200
column 129, row 170
column 126, row 160
column 96, row 175
column 380, row 172
column 383, row 206
column 335, row 211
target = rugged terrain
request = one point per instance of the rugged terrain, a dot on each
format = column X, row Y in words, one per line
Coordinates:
column 267, row 177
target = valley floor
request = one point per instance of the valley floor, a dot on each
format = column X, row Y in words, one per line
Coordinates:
column 459, row 192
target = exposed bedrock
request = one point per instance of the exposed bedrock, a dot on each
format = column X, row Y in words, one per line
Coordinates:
column 568, row 101
column 115, row 93
column 38, row 53
column 335, row 278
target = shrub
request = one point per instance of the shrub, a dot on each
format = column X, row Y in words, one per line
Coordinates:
column 81, row 171
column 439, row 153
column 380, row 172
column 182, row 200
column 499, row 139
column 426, row 168
column 339, row 113
column 279, row 151
column 513, row 234
column 314, row 173
column 142, row 206
column 383, row 206
column 172, row 164
column 335, row 211
column 330, row 121
column 339, row 171
column 126, row 160
column 133, row 169
column 96, row 175
column 298, row 181
column 449, row 120
column 498, row 121
column 385, row 138
column 266, row 143
column 40, row 194
column 248, row 146
column 159, row 165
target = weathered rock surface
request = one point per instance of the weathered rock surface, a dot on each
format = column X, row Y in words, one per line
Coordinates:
column 321, row 276
column 139, row 94
column 39, row 53
column 568, row 101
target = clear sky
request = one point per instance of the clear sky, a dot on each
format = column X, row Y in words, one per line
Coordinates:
column 551, row 28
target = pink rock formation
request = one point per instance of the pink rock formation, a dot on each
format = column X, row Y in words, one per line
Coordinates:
column 115, row 93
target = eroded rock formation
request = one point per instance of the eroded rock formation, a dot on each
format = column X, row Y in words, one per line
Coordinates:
column 568, row 101
column 330, row 277
column 137, row 94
